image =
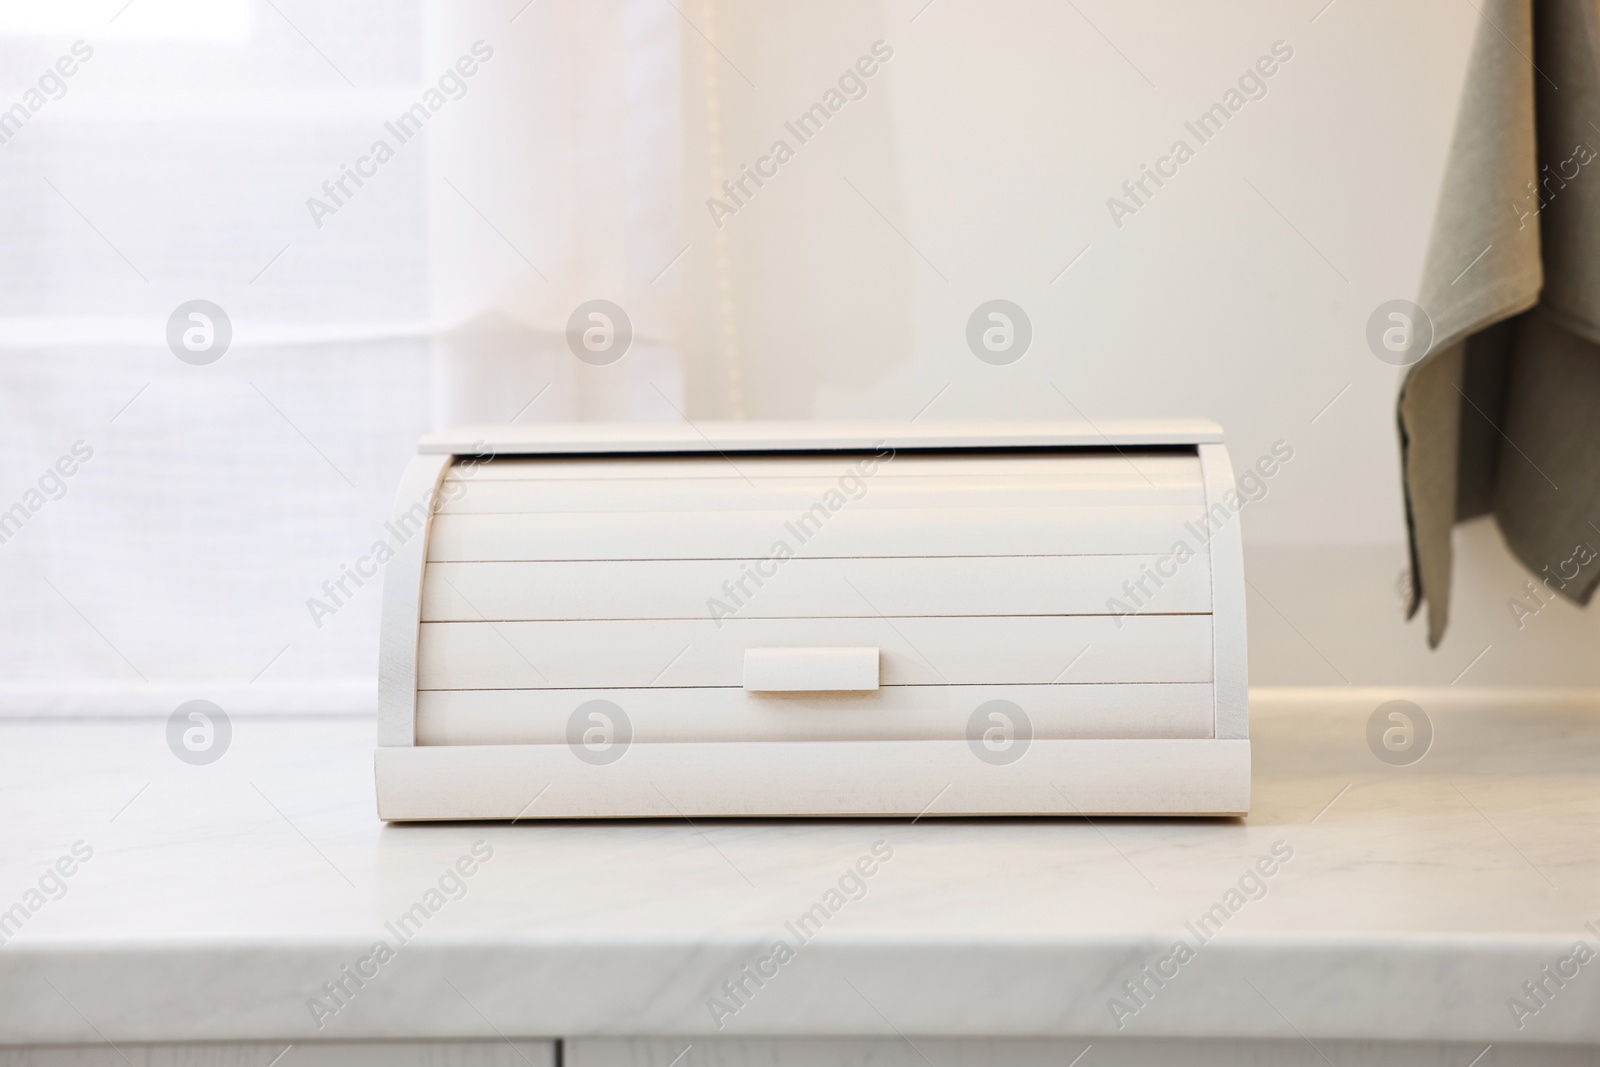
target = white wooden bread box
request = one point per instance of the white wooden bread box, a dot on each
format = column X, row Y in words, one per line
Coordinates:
column 794, row 619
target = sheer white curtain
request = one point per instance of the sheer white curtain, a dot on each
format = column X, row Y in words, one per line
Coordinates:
column 164, row 523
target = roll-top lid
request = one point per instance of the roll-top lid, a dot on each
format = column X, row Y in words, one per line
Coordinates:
column 579, row 438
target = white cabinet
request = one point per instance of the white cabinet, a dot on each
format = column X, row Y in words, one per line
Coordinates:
column 915, row 1051
column 814, row 619
column 288, row 1054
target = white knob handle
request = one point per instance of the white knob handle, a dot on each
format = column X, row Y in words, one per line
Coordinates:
column 790, row 670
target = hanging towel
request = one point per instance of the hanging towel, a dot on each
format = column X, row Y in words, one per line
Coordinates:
column 1502, row 414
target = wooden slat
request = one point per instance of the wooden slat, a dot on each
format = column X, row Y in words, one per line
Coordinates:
column 802, row 588
column 911, row 713
column 1144, row 468
column 920, row 651
column 798, row 494
column 847, row 532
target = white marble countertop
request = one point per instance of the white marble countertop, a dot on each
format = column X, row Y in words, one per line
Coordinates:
column 219, row 898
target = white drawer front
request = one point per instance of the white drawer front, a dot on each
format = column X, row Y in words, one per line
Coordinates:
column 810, row 588
column 917, row 713
column 915, row 651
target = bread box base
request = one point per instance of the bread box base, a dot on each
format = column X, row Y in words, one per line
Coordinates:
column 815, row 778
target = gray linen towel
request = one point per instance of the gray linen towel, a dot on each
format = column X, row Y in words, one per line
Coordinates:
column 1502, row 415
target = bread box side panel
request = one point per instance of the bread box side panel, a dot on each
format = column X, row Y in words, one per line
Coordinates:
column 409, row 526
column 1229, row 671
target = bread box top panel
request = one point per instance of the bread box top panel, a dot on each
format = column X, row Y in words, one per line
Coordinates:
column 620, row 438
column 912, row 503
column 873, row 481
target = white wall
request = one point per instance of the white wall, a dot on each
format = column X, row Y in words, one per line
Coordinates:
column 1239, row 292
